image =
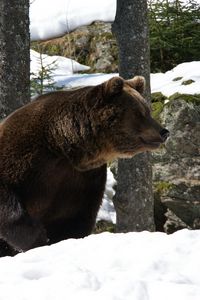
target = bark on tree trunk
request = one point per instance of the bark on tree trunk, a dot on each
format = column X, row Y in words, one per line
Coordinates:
column 14, row 55
column 134, row 196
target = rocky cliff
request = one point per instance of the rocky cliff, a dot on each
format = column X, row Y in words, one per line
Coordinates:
column 176, row 167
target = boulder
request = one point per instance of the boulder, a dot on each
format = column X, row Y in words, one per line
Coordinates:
column 176, row 167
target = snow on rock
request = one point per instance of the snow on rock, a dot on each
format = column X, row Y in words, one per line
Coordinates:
column 62, row 66
column 132, row 266
column 50, row 18
column 173, row 81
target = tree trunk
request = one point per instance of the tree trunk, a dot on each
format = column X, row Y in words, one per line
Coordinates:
column 14, row 55
column 134, row 196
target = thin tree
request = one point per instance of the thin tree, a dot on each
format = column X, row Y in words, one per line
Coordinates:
column 134, row 196
column 14, row 55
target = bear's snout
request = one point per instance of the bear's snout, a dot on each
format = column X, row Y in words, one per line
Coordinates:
column 164, row 133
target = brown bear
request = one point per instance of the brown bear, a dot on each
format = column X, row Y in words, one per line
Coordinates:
column 53, row 159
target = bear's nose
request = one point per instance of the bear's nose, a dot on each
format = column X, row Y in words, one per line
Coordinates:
column 164, row 134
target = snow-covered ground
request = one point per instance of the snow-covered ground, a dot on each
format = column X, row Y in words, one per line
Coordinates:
column 63, row 66
column 168, row 83
column 173, row 81
column 132, row 266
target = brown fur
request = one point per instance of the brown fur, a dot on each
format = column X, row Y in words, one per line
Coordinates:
column 53, row 159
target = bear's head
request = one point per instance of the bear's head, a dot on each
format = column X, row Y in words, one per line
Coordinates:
column 121, row 120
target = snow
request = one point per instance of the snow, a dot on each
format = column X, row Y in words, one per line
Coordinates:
column 60, row 68
column 107, row 210
column 50, row 18
column 132, row 266
column 63, row 66
column 168, row 84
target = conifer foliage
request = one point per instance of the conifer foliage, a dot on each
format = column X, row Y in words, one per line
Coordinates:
column 174, row 33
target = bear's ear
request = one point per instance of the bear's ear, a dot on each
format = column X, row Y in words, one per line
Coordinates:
column 113, row 86
column 138, row 83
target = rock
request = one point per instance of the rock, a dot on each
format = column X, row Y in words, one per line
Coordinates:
column 176, row 167
column 173, row 223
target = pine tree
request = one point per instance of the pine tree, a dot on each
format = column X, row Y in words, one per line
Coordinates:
column 43, row 81
column 174, row 33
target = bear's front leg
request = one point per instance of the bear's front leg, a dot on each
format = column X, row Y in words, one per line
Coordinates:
column 17, row 228
column 6, row 250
